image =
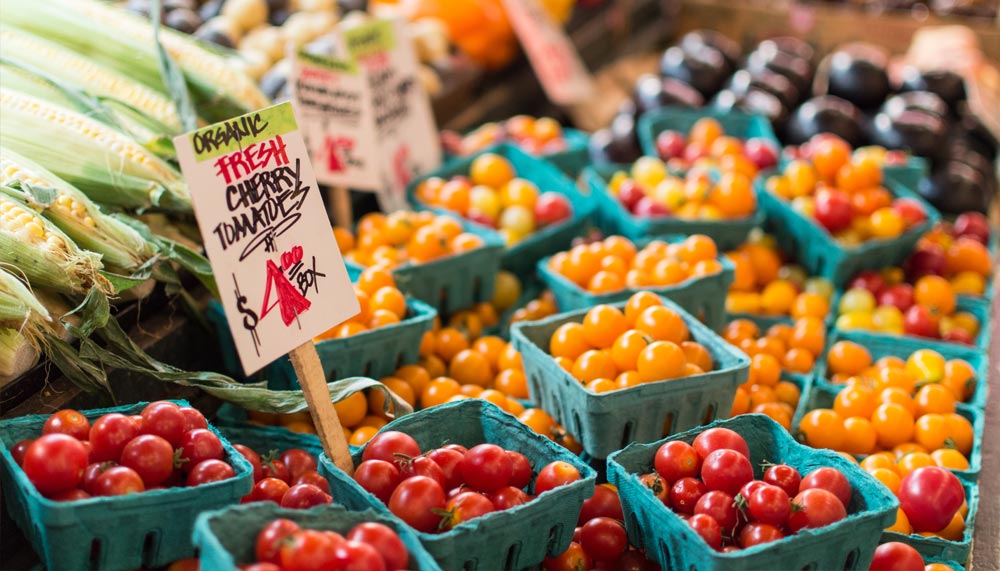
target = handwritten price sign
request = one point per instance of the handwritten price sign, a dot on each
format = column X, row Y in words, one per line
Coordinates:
column 556, row 63
column 404, row 122
column 332, row 98
column 279, row 270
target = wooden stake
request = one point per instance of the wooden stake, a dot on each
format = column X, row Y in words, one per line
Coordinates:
column 308, row 368
column 340, row 207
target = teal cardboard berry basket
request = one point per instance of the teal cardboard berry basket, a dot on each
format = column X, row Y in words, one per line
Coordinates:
column 516, row 538
column 614, row 218
column 609, row 421
column 225, row 538
column 146, row 529
column 734, row 124
column 520, row 258
column 704, row 297
column 665, row 537
column 820, row 254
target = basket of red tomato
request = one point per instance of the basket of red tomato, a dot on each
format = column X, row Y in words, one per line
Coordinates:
column 480, row 489
column 742, row 494
column 116, row 488
column 264, row 536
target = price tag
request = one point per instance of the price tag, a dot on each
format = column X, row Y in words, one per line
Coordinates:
column 332, row 99
column 279, row 270
column 405, row 130
column 557, row 65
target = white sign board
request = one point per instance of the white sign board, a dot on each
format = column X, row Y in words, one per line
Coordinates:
column 280, row 274
column 332, row 100
column 557, row 65
column 405, row 130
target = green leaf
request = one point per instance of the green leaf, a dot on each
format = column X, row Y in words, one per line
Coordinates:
column 172, row 76
column 81, row 372
column 94, row 313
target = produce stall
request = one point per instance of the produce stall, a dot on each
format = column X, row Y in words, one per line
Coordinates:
column 598, row 284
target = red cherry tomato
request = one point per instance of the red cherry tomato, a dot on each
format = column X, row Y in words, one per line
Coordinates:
column 253, row 458
column 308, row 550
column 298, row 461
column 385, row 446
column 109, row 435
column 726, row 470
column 422, row 466
column 464, row 507
column 785, row 477
column 509, row 497
column 267, row 548
column 555, row 474
column 385, row 541
column 19, row 449
column 896, row 556
column 750, row 487
column 721, row 507
column 197, row 446
column 415, row 501
column 268, row 490
column 520, row 475
column 930, row 497
column 770, row 504
column 675, row 460
column 378, row 477
column 68, row 422
column 815, row 508
column 276, row 469
column 54, row 463
column 486, row 468
column 603, row 539
column 357, row 556
column 685, row 493
column 165, row 419
column 707, row 528
column 70, row 495
column 208, row 471
column 193, row 419
column 314, row 478
column 118, row 481
column 457, row 448
column 304, row 496
column 720, row 439
column 90, row 474
column 449, row 460
column 604, row 503
column 151, row 457
column 756, row 533
column 831, row 480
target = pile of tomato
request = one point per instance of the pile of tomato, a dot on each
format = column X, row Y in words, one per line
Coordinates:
column 403, row 237
column 710, row 484
column 537, row 136
column 164, row 446
column 283, row 545
column 290, row 479
column 435, row 491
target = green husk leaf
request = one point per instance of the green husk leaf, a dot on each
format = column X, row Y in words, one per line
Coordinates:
column 172, row 76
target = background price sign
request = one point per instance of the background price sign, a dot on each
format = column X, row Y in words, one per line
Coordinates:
column 280, row 274
column 404, row 122
column 332, row 98
column 557, row 65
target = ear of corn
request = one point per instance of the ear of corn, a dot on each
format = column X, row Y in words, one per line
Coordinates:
column 46, row 256
column 118, row 244
column 147, row 131
column 124, row 41
column 96, row 79
column 104, row 163
column 18, row 305
column 18, row 353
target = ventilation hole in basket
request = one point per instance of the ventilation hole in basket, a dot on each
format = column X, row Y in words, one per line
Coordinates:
column 577, row 425
column 668, row 424
column 149, row 545
column 95, row 554
column 810, row 567
column 627, row 433
column 852, row 560
column 477, row 286
column 664, row 552
column 692, row 567
column 469, row 565
column 512, row 554
column 400, row 360
column 709, row 413
column 367, row 370
column 554, row 534
column 443, row 297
